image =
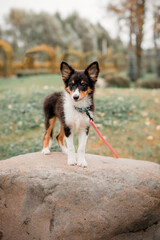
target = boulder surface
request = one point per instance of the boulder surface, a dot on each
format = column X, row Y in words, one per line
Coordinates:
column 42, row 198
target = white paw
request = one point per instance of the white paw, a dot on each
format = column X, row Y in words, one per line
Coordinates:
column 46, row 151
column 82, row 162
column 72, row 160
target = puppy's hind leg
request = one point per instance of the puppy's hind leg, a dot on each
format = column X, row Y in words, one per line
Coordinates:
column 60, row 139
column 47, row 139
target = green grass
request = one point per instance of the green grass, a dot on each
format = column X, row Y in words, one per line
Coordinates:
column 126, row 117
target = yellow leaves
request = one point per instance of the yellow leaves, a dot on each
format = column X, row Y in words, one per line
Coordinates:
column 8, row 53
column 150, row 138
column 120, row 98
column 20, row 123
column 100, row 142
column 147, row 122
column 9, row 106
column 115, row 122
column 42, row 125
column 144, row 114
column 37, row 119
column 158, row 127
column 156, row 100
column 45, row 87
column 101, row 114
column 99, row 125
column 134, row 106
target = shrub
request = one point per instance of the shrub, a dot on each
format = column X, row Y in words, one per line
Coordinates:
column 118, row 81
column 158, row 65
column 108, row 73
column 154, row 83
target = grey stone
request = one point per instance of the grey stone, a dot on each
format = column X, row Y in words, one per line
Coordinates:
column 43, row 198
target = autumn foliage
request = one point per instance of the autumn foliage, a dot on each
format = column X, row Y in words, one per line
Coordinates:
column 6, row 67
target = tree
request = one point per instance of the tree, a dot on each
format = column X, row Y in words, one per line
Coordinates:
column 156, row 36
column 84, row 30
column 140, row 14
column 25, row 30
column 133, row 12
column 131, row 70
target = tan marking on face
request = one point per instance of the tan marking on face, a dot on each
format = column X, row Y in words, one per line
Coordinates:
column 73, row 82
column 82, row 81
column 69, row 91
column 84, row 93
column 48, row 132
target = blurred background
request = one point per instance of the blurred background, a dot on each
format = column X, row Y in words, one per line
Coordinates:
column 122, row 35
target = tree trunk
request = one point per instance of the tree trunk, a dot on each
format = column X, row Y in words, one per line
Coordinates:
column 156, row 36
column 139, row 34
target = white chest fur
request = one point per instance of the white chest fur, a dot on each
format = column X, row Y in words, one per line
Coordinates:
column 75, row 120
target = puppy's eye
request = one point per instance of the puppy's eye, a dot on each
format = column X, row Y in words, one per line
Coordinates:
column 83, row 83
column 72, row 83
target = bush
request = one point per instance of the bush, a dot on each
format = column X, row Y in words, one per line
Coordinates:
column 158, row 65
column 154, row 83
column 118, row 81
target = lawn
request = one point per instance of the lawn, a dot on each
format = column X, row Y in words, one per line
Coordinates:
column 129, row 119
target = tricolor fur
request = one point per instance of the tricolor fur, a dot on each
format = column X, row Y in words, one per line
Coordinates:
column 79, row 92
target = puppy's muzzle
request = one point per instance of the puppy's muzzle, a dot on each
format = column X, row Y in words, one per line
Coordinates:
column 76, row 95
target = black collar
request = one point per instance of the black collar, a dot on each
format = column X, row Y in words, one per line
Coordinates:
column 81, row 110
column 86, row 110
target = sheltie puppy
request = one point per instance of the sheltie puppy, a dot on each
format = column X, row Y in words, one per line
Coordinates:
column 70, row 107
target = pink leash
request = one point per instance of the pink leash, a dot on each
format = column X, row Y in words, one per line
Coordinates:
column 86, row 110
column 94, row 126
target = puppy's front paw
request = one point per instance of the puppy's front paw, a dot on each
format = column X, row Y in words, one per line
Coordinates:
column 46, row 151
column 72, row 160
column 82, row 162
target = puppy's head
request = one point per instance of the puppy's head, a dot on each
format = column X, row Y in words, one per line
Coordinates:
column 79, row 84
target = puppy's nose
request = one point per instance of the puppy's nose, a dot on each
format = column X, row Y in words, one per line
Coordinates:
column 75, row 97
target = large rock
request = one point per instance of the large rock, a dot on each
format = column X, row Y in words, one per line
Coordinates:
column 42, row 198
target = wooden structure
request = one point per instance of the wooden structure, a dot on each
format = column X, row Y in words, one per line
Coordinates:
column 74, row 58
column 30, row 61
column 6, row 63
column 44, row 59
column 89, row 57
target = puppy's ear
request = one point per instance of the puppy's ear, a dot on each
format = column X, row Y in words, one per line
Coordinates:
column 92, row 71
column 66, row 71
